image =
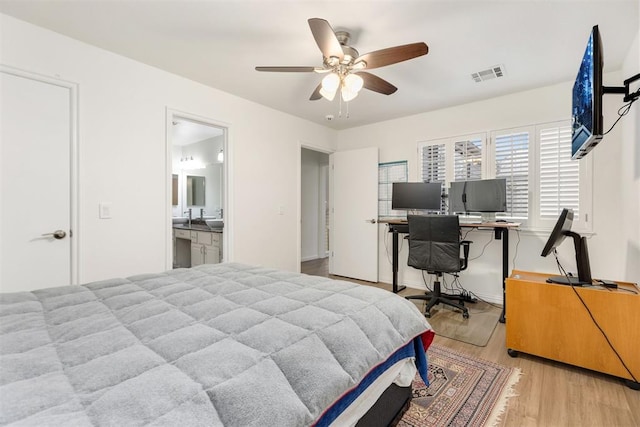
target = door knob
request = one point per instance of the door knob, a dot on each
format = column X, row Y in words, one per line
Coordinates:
column 372, row 221
column 58, row 234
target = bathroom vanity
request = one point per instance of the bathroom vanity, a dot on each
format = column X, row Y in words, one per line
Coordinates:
column 196, row 244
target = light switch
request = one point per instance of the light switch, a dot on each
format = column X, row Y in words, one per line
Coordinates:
column 105, row 210
column 280, row 210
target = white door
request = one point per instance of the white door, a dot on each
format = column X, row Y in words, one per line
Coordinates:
column 354, row 228
column 35, row 183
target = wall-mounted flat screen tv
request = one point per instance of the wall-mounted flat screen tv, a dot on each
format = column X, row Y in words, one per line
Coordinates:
column 587, row 99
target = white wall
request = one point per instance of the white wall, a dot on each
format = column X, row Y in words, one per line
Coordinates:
column 122, row 110
column 397, row 140
column 630, row 172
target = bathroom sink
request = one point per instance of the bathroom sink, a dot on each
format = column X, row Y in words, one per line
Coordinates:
column 215, row 223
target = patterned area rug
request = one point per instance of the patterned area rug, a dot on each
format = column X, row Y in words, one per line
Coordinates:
column 463, row 391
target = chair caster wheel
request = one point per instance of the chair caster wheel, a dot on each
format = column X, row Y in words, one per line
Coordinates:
column 465, row 314
column 427, row 315
column 512, row 353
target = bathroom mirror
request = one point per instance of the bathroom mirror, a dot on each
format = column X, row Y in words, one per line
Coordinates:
column 195, row 190
column 174, row 190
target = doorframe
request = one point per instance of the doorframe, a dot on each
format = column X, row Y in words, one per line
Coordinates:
column 307, row 146
column 227, row 235
column 74, row 164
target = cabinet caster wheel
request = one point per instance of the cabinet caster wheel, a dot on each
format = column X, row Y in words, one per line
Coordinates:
column 632, row 384
column 512, row 353
column 465, row 314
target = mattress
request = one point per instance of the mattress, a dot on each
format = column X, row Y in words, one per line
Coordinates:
column 226, row 344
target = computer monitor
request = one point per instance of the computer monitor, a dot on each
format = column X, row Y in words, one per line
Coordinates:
column 561, row 230
column 481, row 195
column 416, row 196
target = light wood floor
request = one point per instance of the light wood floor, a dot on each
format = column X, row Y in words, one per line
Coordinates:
column 548, row 393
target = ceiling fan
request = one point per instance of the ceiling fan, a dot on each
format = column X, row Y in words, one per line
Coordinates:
column 346, row 67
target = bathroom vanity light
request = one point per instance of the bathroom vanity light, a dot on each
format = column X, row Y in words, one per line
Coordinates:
column 188, row 163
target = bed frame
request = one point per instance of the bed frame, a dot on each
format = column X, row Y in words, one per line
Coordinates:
column 388, row 409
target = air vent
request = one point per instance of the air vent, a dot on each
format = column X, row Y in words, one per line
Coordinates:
column 488, row 74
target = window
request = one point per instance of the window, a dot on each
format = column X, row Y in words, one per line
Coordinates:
column 388, row 173
column 433, row 162
column 536, row 162
column 511, row 160
column 555, row 167
column 451, row 159
column 562, row 182
column 467, row 163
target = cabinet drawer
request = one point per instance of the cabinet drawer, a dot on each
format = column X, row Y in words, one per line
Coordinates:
column 215, row 239
column 201, row 237
column 182, row 234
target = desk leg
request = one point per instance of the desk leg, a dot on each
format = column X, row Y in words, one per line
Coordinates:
column 505, row 270
column 396, row 288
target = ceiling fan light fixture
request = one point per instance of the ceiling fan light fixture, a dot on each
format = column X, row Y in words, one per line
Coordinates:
column 348, row 95
column 328, row 95
column 353, row 83
column 331, row 82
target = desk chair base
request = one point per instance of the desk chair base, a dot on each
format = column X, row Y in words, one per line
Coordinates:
column 437, row 297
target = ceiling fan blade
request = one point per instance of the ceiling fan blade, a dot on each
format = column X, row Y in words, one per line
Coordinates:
column 325, row 38
column 392, row 55
column 376, row 84
column 316, row 93
column 287, row 69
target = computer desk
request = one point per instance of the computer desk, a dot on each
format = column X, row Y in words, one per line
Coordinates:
column 501, row 230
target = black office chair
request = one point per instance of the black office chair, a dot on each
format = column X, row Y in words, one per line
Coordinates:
column 434, row 246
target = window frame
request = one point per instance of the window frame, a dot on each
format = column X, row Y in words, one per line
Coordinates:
column 449, row 148
column 492, row 166
column 582, row 223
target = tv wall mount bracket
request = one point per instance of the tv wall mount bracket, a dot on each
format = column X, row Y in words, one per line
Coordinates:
column 624, row 90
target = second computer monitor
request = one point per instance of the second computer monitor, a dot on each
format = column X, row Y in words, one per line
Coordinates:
column 416, row 196
column 482, row 195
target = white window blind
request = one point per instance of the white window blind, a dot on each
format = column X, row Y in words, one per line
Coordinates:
column 559, row 176
column 512, row 163
column 388, row 173
column 433, row 163
column 467, row 160
column 433, row 166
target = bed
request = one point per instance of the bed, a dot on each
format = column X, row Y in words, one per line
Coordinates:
column 226, row 344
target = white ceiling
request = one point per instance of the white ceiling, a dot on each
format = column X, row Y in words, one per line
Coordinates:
column 218, row 43
column 186, row 132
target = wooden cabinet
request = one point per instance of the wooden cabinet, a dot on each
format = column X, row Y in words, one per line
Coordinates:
column 551, row 321
column 191, row 248
column 205, row 248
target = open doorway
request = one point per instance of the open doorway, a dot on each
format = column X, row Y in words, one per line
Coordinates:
column 197, row 157
column 315, row 210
